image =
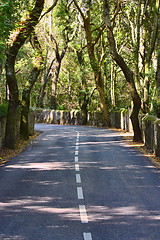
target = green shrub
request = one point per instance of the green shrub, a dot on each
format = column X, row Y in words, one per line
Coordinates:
column 3, row 110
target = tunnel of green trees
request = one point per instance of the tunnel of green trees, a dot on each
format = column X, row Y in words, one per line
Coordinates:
column 88, row 55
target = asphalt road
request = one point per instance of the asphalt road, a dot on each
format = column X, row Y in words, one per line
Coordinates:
column 79, row 183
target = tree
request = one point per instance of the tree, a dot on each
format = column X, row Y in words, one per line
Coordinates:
column 59, row 57
column 9, row 13
column 92, row 38
column 16, row 42
column 126, row 70
column 46, row 77
column 156, row 103
column 37, row 67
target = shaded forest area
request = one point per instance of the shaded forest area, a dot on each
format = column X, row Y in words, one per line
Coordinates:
column 89, row 55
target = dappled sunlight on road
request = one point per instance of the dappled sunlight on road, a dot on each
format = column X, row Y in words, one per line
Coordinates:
column 45, row 166
column 70, row 213
column 102, row 213
column 118, row 193
column 42, row 205
column 10, row 205
column 39, row 205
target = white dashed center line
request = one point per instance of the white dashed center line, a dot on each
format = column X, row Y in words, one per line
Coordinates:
column 83, row 214
column 87, row 236
column 76, row 153
column 82, row 208
column 77, row 167
column 80, row 193
column 78, row 178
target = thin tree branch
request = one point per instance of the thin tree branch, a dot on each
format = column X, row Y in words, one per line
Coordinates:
column 79, row 9
column 117, row 11
column 99, row 35
column 49, row 9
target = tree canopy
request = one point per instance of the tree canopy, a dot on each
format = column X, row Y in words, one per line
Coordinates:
column 89, row 55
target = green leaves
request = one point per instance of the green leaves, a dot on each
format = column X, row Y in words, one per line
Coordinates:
column 3, row 110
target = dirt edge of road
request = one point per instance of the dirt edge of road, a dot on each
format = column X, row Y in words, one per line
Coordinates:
column 141, row 148
column 6, row 154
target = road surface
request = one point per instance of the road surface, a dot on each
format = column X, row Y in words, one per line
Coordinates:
column 79, row 183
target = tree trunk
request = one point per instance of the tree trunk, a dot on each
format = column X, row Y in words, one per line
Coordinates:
column 19, row 39
column 97, row 73
column 84, row 92
column 38, row 61
column 102, row 97
column 150, row 36
column 53, row 101
column 127, row 73
column 59, row 57
column 158, row 73
column 145, row 104
column 46, row 77
column 96, row 67
column 113, row 78
column 24, row 128
column 14, row 104
column 84, row 109
column 157, row 105
column 1, row 67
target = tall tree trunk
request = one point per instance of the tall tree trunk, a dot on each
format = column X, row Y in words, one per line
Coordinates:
column 53, row 101
column 145, row 105
column 97, row 72
column 84, row 98
column 157, row 107
column 151, row 36
column 113, row 78
column 14, row 104
column 38, row 61
column 46, row 77
column 102, row 97
column 1, row 67
column 59, row 57
column 127, row 73
column 93, row 61
column 19, row 39
column 24, row 128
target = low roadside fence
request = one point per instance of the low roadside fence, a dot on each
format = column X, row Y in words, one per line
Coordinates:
column 61, row 117
column 149, row 124
column 119, row 119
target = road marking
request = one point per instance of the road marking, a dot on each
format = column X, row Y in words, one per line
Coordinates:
column 78, row 178
column 87, row 236
column 82, row 208
column 83, row 214
column 80, row 193
column 77, row 167
column 76, row 153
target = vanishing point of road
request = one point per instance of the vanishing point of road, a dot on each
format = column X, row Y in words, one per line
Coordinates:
column 79, row 183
